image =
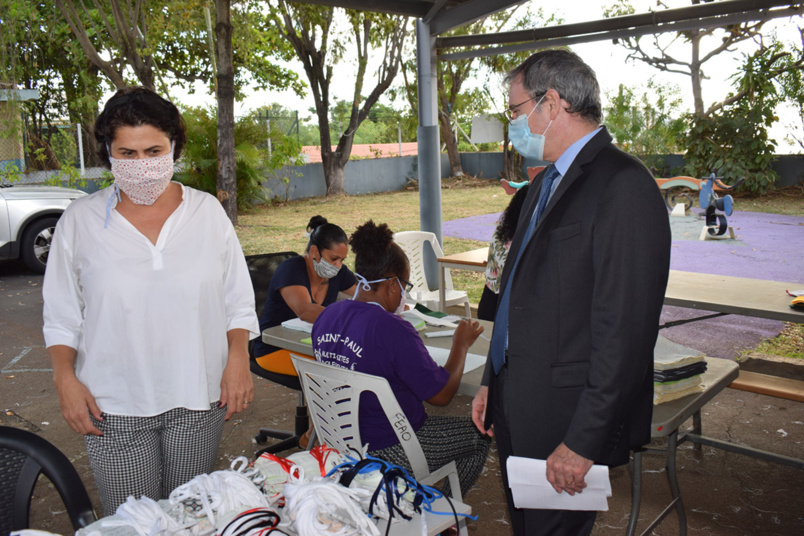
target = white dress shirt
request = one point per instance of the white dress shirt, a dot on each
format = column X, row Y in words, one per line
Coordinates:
column 149, row 322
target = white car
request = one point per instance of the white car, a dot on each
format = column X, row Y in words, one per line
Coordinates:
column 28, row 216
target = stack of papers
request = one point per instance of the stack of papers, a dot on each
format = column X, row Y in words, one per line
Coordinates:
column 527, row 478
column 298, row 324
column 677, row 371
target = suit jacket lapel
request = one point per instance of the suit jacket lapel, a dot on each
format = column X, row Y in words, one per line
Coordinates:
column 586, row 155
column 524, row 220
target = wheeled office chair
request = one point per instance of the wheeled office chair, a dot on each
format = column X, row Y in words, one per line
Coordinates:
column 23, row 457
column 261, row 268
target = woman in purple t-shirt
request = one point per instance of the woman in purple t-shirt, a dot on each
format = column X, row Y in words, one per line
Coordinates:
column 365, row 334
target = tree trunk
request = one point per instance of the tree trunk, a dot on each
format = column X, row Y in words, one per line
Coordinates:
column 330, row 160
column 695, row 73
column 455, row 169
column 333, row 171
column 227, row 166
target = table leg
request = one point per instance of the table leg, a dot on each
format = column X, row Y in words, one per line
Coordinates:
column 672, row 478
column 442, row 283
column 696, row 429
column 675, row 491
column 636, row 492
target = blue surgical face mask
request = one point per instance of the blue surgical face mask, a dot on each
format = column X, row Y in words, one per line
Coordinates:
column 527, row 143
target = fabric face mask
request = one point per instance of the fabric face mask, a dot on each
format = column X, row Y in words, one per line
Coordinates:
column 325, row 269
column 527, row 143
column 143, row 179
column 402, row 300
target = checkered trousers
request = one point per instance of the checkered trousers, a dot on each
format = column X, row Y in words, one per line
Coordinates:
column 444, row 439
column 152, row 456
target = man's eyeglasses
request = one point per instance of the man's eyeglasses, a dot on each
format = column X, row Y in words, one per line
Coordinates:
column 407, row 284
column 511, row 112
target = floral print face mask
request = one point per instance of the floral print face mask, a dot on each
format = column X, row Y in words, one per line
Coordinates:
column 143, row 179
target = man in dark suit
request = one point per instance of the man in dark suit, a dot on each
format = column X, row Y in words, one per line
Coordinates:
column 569, row 374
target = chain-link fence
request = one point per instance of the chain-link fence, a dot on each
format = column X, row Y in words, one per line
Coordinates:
column 35, row 153
column 279, row 125
column 12, row 147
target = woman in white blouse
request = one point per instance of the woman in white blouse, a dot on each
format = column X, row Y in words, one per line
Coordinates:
column 148, row 311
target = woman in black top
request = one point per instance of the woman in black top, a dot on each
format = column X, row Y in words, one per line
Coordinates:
column 302, row 286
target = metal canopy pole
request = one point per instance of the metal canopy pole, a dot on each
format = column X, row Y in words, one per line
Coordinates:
column 429, row 158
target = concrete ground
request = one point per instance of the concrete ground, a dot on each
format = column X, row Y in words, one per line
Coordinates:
column 724, row 493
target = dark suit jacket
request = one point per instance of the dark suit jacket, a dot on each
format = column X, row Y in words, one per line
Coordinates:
column 584, row 310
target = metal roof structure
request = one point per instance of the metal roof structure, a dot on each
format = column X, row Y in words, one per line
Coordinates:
column 435, row 17
column 445, row 15
column 442, row 15
column 700, row 16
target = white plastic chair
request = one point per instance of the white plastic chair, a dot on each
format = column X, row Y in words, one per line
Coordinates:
column 412, row 243
column 333, row 396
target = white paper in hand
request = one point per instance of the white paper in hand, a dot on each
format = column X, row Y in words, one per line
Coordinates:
column 527, row 478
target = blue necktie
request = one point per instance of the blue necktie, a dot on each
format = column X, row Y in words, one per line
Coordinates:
column 499, row 337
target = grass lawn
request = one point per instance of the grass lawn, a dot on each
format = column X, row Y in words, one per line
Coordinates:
column 282, row 226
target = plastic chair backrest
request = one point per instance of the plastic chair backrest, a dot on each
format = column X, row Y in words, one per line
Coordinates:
column 261, row 268
column 412, row 243
column 333, row 397
column 23, row 457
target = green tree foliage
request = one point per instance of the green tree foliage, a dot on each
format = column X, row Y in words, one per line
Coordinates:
column 646, row 124
column 379, row 127
column 158, row 43
column 705, row 46
column 732, row 146
column 313, row 33
column 459, row 100
column 308, row 131
column 200, row 158
column 37, row 52
column 769, row 76
column 733, row 141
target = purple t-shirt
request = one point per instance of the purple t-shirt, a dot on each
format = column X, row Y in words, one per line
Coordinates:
column 367, row 338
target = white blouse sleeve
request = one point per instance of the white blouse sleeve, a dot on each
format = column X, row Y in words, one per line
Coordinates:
column 238, row 292
column 63, row 304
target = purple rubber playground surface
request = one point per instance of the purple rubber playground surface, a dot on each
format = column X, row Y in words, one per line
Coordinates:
column 767, row 246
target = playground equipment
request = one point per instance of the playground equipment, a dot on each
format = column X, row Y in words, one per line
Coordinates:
column 716, row 224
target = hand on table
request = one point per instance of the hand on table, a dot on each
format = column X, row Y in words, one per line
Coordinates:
column 566, row 470
column 479, row 405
